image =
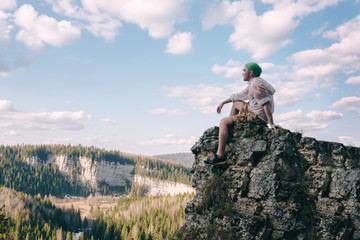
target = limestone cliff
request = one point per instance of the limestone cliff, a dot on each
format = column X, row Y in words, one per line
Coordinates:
column 276, row 185
column 87, row 171
column 115, row 174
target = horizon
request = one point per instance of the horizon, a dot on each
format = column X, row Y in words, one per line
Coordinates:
column 144, row 77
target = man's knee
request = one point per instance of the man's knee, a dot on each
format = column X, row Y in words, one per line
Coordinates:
column 236, row 107
column 226, row 121
column 238, row 104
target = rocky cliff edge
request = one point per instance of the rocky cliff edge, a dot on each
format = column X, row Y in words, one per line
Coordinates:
column 276, row 185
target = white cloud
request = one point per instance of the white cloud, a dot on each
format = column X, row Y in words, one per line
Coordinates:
column 350, row 104
column 8, row 65
column 202, row 98
column 164, row 111
column 169, row 140
column 354, row 80
column 108, row 121
column 232, row 69
column 10, row 133
column 6, row 105
column 180, row 43
column 320, row 30
column 103, row 18
column 7, row 4
column 349, row 141
column 36, row 31
column 341, row 58
column 265, row 34
column 107, row 30
column 11, row 119
column 323, row 116
column 300, row 121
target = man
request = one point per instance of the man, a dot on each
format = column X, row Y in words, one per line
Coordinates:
column 259, row 108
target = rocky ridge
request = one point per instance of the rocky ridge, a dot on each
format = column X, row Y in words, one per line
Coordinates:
column 275, row 185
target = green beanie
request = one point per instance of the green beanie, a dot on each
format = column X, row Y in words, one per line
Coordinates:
column 255, row 68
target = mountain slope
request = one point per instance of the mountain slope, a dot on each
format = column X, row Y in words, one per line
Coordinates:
column 62, row 170
column 186, row 159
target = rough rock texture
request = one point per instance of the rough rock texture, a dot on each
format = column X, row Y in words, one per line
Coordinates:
column 276, row 185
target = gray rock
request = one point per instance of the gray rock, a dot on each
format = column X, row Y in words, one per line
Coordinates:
column 275, row 185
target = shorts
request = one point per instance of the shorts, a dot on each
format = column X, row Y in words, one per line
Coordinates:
column 246, row 115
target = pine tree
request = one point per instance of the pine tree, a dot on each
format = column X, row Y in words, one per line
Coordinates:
column 68, row 236
column 3, row 225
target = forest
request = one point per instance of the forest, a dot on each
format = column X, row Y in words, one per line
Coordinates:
column 46, row 179
column 30, row 217
column 26, row 210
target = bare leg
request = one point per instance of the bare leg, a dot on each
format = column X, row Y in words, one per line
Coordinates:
column 224, row 125
column 223, row 135
column 236, row 107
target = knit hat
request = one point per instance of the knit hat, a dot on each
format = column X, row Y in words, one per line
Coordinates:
column 255, row 68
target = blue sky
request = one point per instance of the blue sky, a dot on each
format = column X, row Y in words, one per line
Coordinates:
column 145, row 76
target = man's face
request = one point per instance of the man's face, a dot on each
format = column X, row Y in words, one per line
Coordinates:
column 246, row 74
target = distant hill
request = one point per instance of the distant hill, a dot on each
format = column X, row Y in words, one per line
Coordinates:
column 186, row 159
column 60, row 170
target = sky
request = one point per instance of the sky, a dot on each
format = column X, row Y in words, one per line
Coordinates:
column 146, row 76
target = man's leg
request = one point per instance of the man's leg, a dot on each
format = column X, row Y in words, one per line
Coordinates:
column 225, row 123
column 236, row 107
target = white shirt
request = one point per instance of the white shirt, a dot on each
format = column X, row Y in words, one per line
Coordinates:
column 258, row 92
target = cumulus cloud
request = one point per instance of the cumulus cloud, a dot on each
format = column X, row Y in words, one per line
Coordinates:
column 349, row 141
column 350, row 104
column 8, row 65
column 164, row 111
column 180, row 43
column 202, row 98
column 232, row 69
column 7, row 4
column 261, row 35
column 169, row 139
column 36, row 31
column 6, row 106
column 313, row 121
column 340, row 59
column 103, row 18
column 11, row 119
column 108, row 121
column 354, row 80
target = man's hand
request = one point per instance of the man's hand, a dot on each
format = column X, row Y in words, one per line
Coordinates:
column 218, row 110
column 274, row 126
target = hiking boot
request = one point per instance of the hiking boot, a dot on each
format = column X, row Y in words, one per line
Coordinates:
column 215, row 160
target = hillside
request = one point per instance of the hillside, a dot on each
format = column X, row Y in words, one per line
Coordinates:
column 27, row 217
column 61, row 170
column 186, row 159
column 31, row 217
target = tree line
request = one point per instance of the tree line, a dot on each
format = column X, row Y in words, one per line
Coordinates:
column 47, row 179
column 31, row 217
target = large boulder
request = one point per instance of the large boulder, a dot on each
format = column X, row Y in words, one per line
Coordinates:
column 275, row 185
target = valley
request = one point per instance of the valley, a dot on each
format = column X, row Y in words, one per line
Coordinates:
column 76, row 192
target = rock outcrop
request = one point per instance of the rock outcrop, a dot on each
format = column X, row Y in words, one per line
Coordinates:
column 275, row 185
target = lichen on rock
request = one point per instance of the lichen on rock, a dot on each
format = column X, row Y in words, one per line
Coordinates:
column 276, row 185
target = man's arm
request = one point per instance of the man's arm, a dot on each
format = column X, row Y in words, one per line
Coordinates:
column 222, row 104
column 269, row 116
